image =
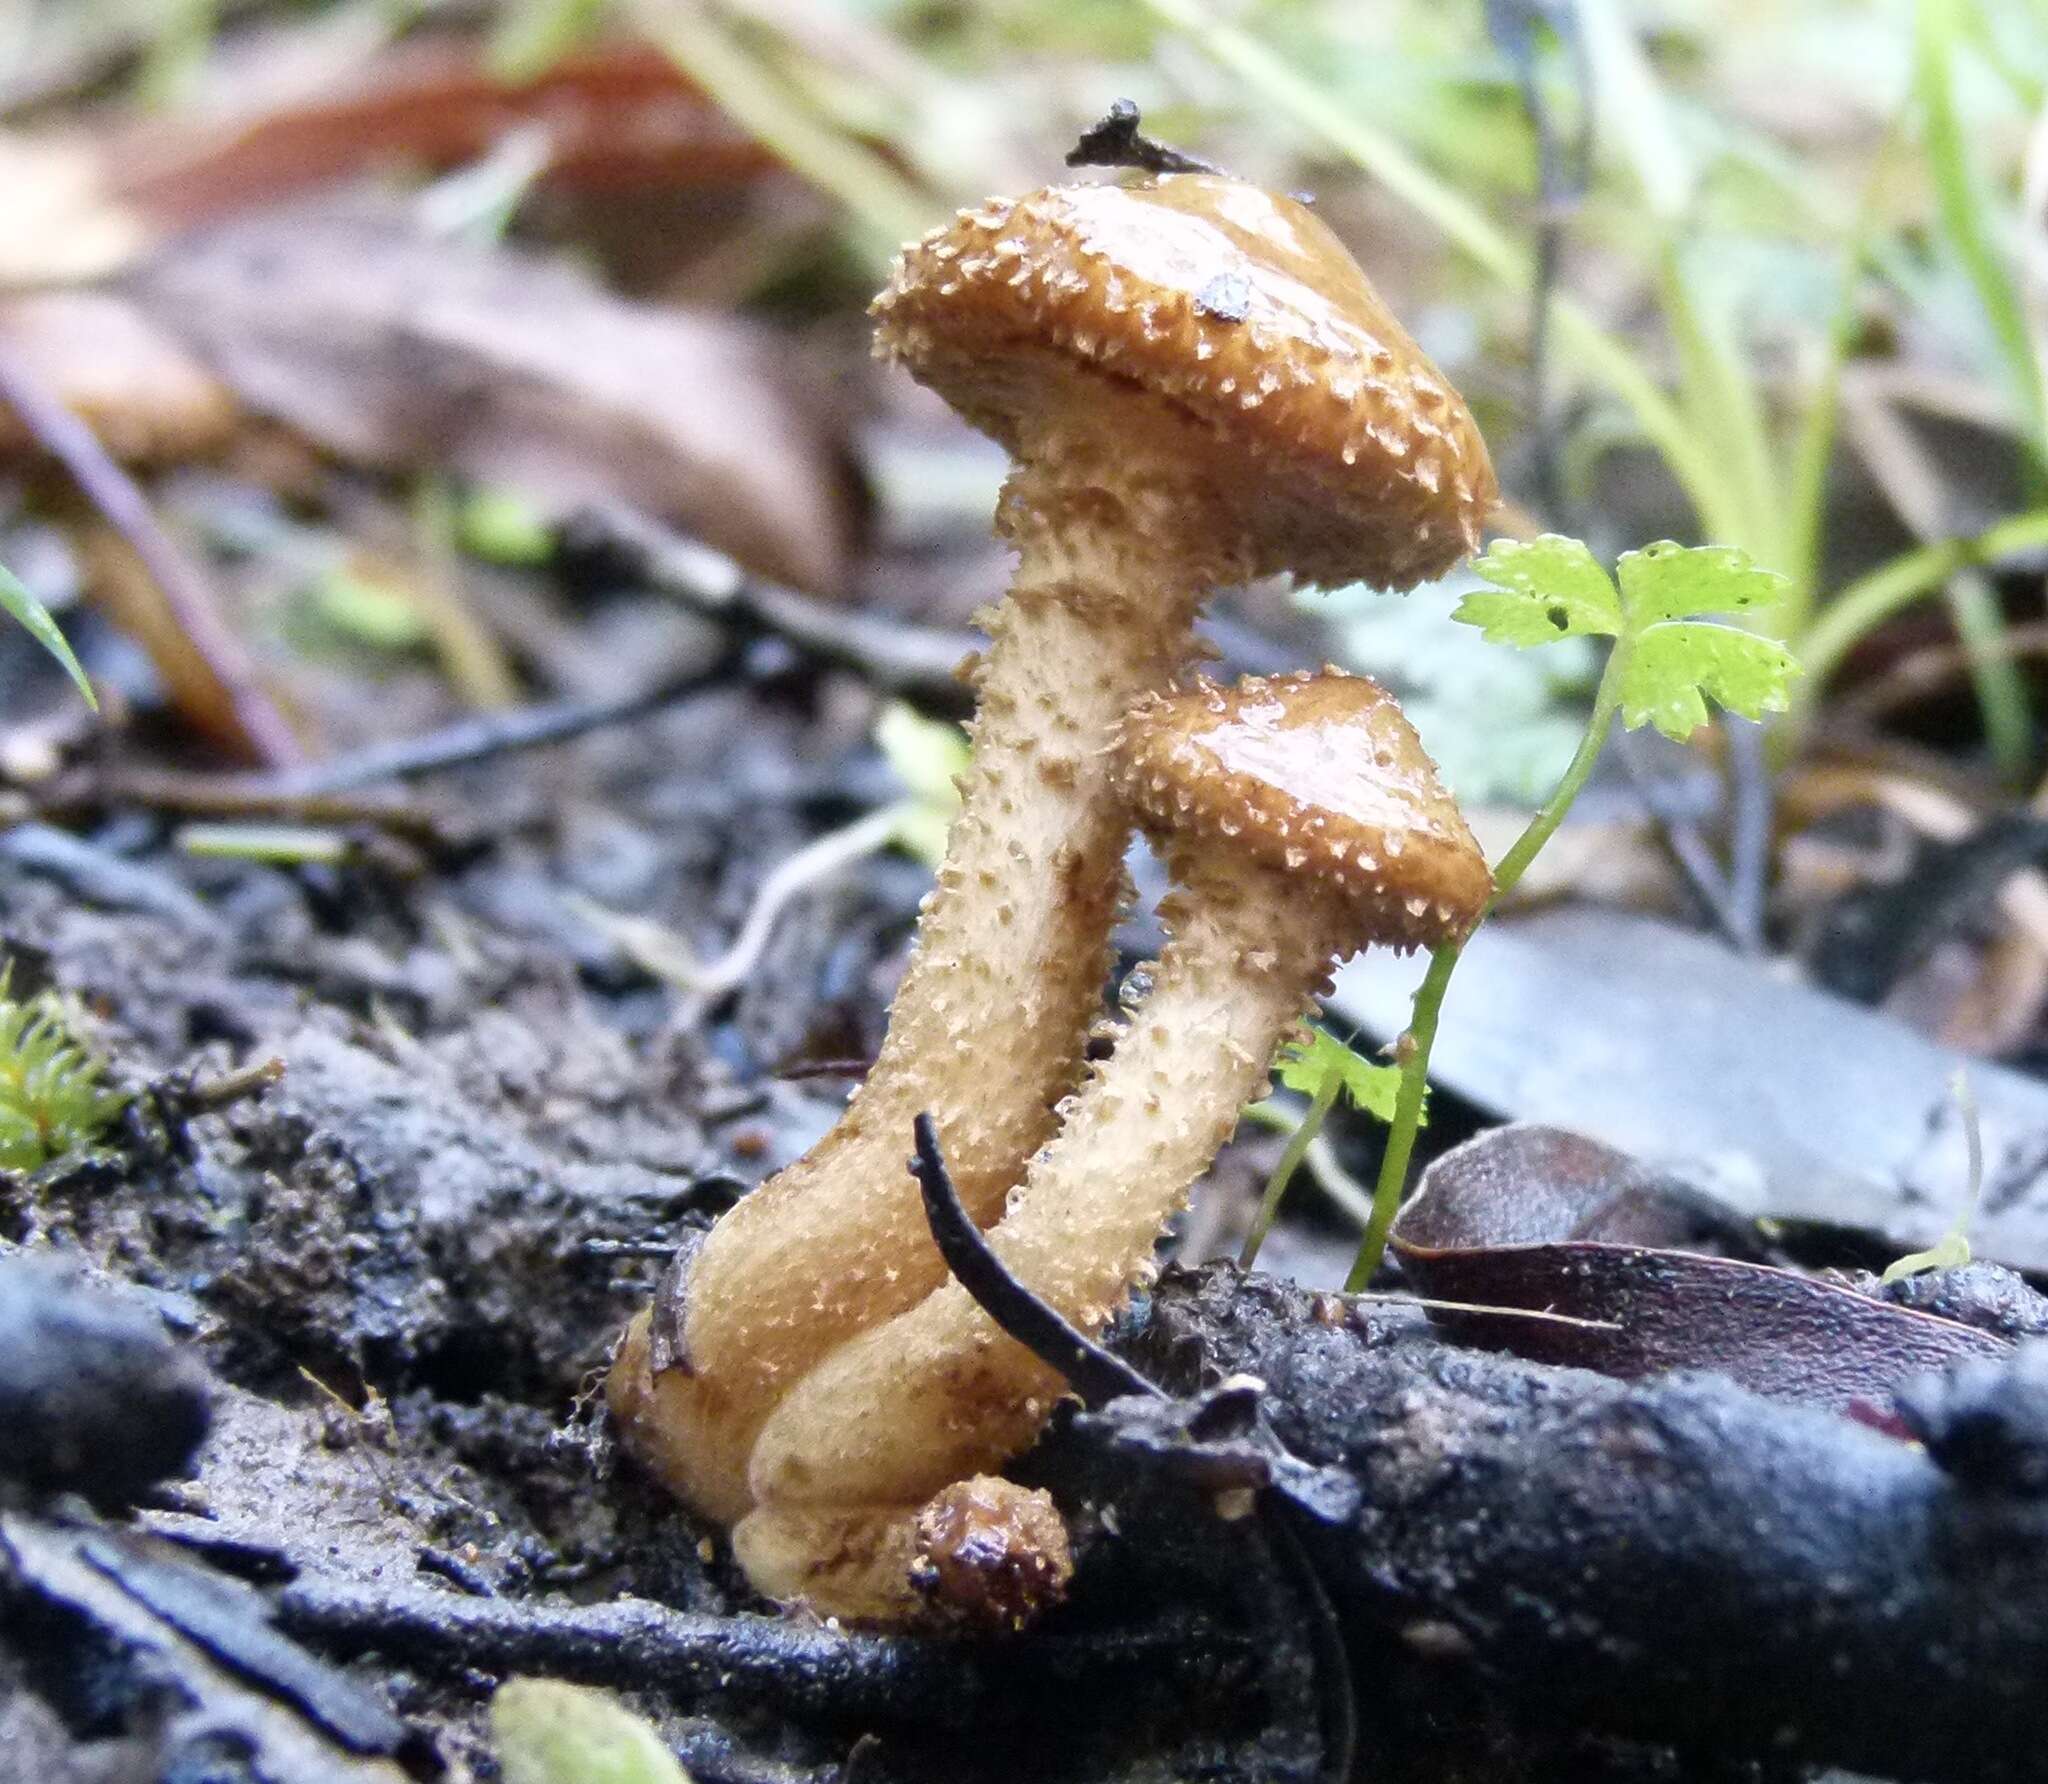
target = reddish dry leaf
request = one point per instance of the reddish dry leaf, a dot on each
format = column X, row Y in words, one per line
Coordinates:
column 1536, row 1218
column 618, row 116
column 396, row 351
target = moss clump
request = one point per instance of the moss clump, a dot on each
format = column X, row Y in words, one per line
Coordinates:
column 52, row 1098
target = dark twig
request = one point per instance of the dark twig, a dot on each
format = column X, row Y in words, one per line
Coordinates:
column 123, row 506
column 918, row 662
column 803, row 1670
column 1685, row 844
column 478, row 739
column 1094, row 1373
column 231, row 796
column 1116, row 142
column 1561, row 180
column 1750, row 802
column 1099, row 1377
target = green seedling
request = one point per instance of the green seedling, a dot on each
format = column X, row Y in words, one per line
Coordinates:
column 1665, row 663
column 1952, row 1250
column 1322, row 1068
column 52, row 1100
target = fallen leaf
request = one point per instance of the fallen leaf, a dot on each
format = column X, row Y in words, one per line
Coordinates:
column 146, row 397
column 62, row 219
column 394, row 350
column 1534, row 1218
column 618, row 116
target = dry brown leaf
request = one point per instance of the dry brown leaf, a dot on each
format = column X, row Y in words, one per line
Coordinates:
column 618, row 116
column 406, row 353
column 60, row 219
column 133, row 384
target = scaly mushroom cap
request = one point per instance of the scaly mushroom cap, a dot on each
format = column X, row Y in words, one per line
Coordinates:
column 1317, row 775
column 1342, row 451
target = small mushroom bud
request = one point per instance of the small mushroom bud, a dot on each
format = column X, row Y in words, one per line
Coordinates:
column 1198, row 387
column 1302, row 821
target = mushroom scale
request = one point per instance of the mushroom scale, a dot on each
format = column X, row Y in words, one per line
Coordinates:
column 1302, row 821
column 1198, row 386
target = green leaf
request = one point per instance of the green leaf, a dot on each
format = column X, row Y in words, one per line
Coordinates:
column 1308, row 1066
column 531, row 36
column 1667, row 581
column 43, row 629
column 1673, row 667
column 927, row 755
column 501, row 526
column 550, row 1733
column 1543, row 589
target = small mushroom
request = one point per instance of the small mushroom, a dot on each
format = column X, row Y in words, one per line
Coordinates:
column 1198, row 387
column 1302, row 821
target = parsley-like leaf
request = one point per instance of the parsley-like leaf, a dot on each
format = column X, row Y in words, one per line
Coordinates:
column 1543, row 589
column 1667, row 581
column 1308, row 1066
column 1671, row 666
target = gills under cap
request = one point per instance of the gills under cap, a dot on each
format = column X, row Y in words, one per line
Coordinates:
column 1341, row 452
column 1318, row 775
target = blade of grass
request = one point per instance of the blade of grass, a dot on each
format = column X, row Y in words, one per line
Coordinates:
column 1872, row 599
column 885, row 209
column 1964, row 202
column 1721, row 399
column 35, row 619
column 1470, row 230
column 1715, row 391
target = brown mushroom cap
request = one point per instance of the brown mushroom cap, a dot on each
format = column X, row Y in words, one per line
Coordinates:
column 1317, row 775
column 1341, row 451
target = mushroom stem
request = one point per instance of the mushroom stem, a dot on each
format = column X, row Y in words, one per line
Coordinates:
column 939, row 1393
column 989, row 1027
column 1301, row 820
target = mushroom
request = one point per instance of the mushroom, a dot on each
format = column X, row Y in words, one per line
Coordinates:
column 1198, row 387
column 1301, row 821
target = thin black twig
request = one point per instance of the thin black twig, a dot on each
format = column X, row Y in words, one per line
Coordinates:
column 1750, row 815
column 185, row 592
column 488, row 735
column 1099, row 1377
column 1116, row 142
column 1685, row 844
column 1094, row 1373
column 918, row 662
column 1562, row 176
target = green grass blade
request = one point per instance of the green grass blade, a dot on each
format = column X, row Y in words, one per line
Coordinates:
column 1470, row 230
column 35, row 617
column 1872, row 599
column 1965, row 204
column 1718, row 394
column 886, row 209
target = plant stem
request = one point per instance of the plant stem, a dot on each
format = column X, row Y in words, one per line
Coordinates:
column 1296, row 1150
column 1413, row 1049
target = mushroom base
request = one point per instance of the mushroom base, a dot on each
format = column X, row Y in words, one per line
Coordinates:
column 938, row 1393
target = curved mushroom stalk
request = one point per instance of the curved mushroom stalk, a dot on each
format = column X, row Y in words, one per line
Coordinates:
column 989, row 1027
column 1199, row 386
column 1302, row 821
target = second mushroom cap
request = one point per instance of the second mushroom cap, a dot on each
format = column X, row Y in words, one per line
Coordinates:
column 1318, row 774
